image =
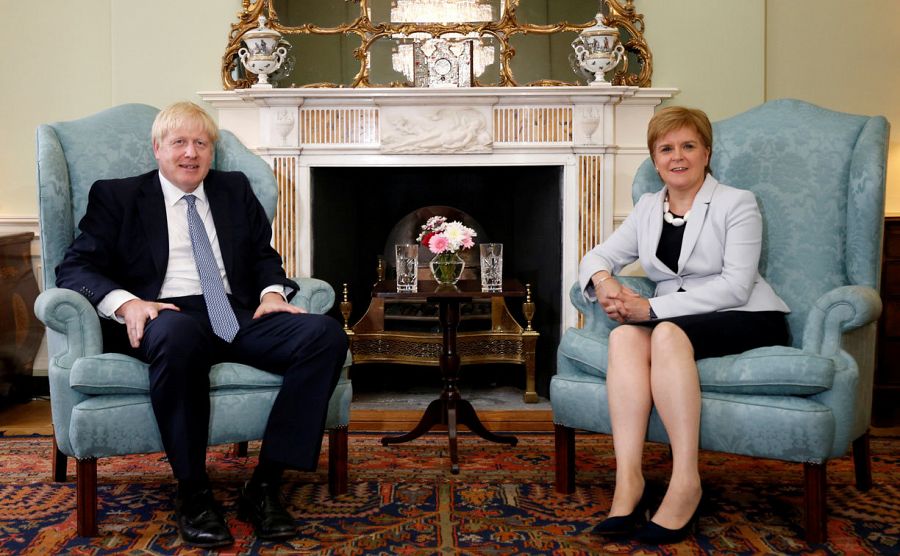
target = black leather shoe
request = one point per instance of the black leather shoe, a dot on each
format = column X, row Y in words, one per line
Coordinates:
column 200, row 522
column 626, row 525
column 653, row 533
column 261, row 506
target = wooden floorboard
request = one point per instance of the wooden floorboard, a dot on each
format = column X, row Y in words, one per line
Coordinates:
column 405, row 420
column 26, row 418
column 34, row 418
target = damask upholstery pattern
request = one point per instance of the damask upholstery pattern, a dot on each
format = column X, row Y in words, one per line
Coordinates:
column 819, row 179
column 100, row 401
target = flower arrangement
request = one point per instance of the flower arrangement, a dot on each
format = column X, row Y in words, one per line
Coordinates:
column 444, row 239
column 440, row 236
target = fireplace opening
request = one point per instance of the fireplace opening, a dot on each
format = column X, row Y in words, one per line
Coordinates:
column 355, row 208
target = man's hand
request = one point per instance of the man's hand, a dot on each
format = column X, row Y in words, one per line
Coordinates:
column 136, row 313
column 275, row 303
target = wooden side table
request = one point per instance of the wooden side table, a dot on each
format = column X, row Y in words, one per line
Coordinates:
column 503, row 340
column 20, row 331
column 450, row 408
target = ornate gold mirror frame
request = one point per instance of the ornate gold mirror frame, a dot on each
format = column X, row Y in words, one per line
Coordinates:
column 616, row 14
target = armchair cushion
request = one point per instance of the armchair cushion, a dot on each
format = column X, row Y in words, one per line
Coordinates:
column 114, row 373
column 109, row 373
column 772, row 371
column 768, row 371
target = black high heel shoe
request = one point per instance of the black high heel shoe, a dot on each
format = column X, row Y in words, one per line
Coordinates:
column 653, row 533
column 626, row 525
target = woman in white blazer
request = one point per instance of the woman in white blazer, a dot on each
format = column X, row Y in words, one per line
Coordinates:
column 700, row 241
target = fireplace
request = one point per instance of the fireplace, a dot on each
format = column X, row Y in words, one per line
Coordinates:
column 354, row 209
column 548, row 169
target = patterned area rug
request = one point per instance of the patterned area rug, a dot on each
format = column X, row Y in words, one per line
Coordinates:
column 403, row 500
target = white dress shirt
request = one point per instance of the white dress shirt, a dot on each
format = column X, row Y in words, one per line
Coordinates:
column 182, row 278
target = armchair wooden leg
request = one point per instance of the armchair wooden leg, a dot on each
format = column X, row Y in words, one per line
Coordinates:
column 337, row 460
column 862, row 462
column 86, row 496
column 60, row 461
column 564, row 439
column 816, row 488
column 239, row 449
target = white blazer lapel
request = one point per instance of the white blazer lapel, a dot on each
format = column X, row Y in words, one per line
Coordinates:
column 695, row 221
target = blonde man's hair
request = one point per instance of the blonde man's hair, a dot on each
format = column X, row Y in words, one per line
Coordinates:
column 179, row 114
column 673, row 118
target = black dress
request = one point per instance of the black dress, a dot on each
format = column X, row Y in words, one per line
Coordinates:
column 721, row 332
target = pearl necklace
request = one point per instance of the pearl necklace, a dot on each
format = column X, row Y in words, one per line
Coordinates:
column 670, row 218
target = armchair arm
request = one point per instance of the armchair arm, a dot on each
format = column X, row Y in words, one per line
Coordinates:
column 314, row 295
column 843, row 310
column 838, row 311
column 595, row 318
column 73, row 331
column 75, row 321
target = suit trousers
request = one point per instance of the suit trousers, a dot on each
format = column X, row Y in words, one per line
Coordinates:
column 308, row 351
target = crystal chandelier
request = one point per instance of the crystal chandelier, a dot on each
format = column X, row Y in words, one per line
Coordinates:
column 440, row 11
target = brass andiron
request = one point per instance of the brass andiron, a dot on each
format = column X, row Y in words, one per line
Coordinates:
column 528, row 308
column 380, row 270
column 346, row 307
column 530, row 336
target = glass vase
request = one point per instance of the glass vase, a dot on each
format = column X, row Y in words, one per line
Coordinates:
column 447, row 268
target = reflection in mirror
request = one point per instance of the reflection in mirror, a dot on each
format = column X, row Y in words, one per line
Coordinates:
column 487, row 69
column 334, row 62
column 544, row 57
column 549, row 12
column 364, row 43
column 386, row 62
column 435, row 11
column 400, row 12
column 322, row 13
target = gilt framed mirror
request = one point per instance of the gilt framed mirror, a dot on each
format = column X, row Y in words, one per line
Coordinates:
column 372, row 43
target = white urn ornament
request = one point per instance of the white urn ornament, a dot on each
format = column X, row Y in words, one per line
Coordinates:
column 262, row 55
column 597, row 51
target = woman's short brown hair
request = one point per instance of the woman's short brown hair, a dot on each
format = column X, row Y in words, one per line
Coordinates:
column 672, row 118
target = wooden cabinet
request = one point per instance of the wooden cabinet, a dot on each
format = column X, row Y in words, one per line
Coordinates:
column 886, row 399
column 20, row 331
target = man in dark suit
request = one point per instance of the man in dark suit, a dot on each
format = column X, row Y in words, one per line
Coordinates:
column 179, row 263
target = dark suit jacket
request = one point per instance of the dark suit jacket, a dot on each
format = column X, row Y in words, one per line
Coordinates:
column 124, row 241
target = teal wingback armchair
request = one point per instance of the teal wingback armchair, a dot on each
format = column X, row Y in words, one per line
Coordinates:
column 100, row 401
column 819, row 177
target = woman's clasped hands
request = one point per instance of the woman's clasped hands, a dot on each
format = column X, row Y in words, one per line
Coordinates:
column 621, row 304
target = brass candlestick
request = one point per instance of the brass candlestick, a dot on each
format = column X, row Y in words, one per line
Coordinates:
column 346, row 308
column 528, row 308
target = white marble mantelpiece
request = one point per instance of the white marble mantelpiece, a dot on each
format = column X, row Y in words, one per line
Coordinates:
column 597, row 135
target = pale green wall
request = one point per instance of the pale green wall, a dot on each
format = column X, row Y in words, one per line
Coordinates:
column 70, row 59
column 713, row 51
column 56, row 70
column 75, row 58
column 841, row 55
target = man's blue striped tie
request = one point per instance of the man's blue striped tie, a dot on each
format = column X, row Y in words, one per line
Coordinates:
column 221, row 315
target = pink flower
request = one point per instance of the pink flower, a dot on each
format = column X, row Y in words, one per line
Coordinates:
column 467, row 242
column 438, row 243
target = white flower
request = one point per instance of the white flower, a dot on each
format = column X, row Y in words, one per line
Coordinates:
column 445, row 237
